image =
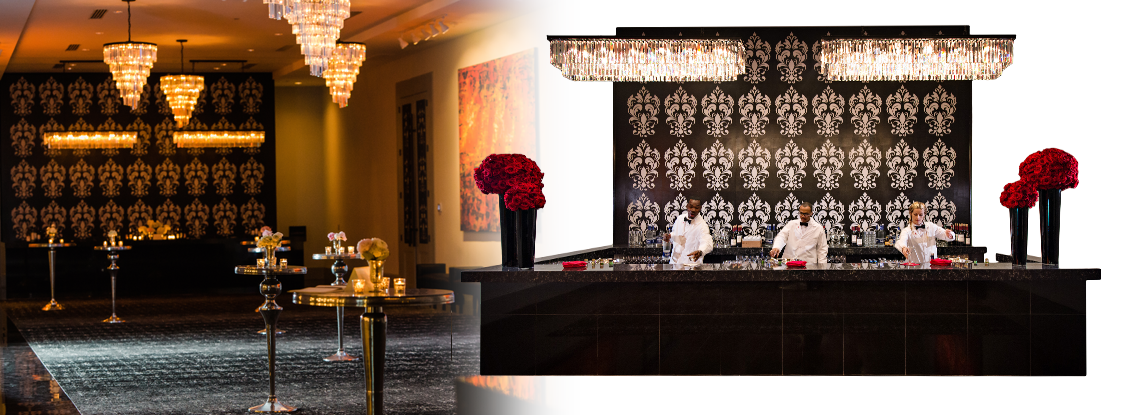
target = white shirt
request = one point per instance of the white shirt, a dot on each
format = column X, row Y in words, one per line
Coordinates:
column 806, row 243
column 921, row 242
column 688, row 236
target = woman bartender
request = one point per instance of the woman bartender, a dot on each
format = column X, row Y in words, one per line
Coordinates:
column 917, row 241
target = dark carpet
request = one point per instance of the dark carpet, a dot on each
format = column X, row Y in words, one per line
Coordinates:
column 202, row 355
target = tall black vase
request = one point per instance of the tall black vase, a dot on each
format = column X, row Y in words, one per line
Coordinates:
column 1018, row 234
column 526, row 225
column 1050, row 226
column 508, row 234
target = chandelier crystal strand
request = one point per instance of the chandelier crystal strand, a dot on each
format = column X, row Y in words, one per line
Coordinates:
column 316, row 24
column 130, row 62
column 197, row 139
column 89, row 139
column 647, row 60
column 342, row 70
column 182, row 91
column 916, row 59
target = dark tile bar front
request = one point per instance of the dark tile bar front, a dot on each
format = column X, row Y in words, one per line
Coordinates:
column 829, row 319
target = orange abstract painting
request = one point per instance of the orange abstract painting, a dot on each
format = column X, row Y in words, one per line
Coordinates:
column 498, row 114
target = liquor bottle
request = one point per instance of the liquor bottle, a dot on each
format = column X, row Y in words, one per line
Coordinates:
column 739, row 235
column 966, row 234
column 769, row 235
column 880, row 236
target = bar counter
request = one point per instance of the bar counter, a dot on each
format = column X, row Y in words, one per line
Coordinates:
column 827, row 319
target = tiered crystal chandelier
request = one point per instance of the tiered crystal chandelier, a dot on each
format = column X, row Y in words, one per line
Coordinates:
column 342, row 70
column 182, row 91
column 316, row 24
column 130, row 62
column 609, row 58
column 966, row 58
column 197, row 139
column 89, row 139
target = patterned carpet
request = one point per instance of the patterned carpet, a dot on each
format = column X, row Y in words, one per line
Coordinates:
column 202, row 355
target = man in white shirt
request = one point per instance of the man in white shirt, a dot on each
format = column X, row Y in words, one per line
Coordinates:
column 804, row 238
column 690, row 236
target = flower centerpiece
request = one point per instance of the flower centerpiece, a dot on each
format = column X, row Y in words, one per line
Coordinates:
column 1049, row 172
column 1019, row 197
column 337, row 239
column 518, row 180
column 269, row 241
column 375, row 251
column 112, row 234
column 153, row 230
column 51, row 232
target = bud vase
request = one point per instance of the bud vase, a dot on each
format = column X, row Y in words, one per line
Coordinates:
column 1018, row 235
column 337, row 246
column 270, row 256
column 377, row 277
column 1049, row 226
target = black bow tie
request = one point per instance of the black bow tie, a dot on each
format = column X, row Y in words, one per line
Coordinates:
column 919, row 226
column 803, row 224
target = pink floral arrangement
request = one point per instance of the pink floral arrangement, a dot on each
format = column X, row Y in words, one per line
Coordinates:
column 1049, row 169
column 337, row 236
column 514, row 176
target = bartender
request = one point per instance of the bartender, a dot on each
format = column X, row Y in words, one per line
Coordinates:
column 804, row 238
column 690, row 236
column 917, row 241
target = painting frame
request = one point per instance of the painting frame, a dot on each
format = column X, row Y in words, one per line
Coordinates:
column 497, row 114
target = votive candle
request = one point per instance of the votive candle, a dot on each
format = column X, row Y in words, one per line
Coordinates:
column 350, row 249
column 399, row 284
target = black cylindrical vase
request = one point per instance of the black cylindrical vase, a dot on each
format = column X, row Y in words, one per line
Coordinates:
column 1050, row 226
column 1018, row 234
column 508, row 234
column 526, row 225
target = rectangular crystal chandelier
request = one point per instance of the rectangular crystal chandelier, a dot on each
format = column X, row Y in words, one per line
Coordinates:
column 962, row 58
column 89, row 139
column 198, row 139
column 609, row 58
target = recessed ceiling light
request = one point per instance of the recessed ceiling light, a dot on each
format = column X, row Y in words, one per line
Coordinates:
column 216, row 68
column 276, row 34
column 251, row 50
column 223, row 64
column 117, row 12
column 85, row 50
column 298, row 82
column 98, row 33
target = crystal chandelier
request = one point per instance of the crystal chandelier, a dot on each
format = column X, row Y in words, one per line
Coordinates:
column 130, row 63
column 182, row 91
column 342, row 70
column 316, row 24
column 89, row 139
column 196, row 139
column 967, row 58
column 646, row 60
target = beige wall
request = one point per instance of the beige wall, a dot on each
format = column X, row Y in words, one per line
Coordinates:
column 346, row 174
column 1061, row 108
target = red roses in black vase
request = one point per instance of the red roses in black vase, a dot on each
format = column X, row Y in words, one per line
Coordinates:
column 1049, row 169
column 514, row 176
column 1018, row 194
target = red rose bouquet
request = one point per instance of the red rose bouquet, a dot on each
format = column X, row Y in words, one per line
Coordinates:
column 1050, row 168
column 1018, row 194
column 514, row 176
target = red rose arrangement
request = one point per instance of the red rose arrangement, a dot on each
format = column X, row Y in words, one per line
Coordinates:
column 1050, row 168
column 514, row 176
column 1018, row 194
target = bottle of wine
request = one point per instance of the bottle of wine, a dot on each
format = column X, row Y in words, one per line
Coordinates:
column 966, row 234
column 858, row 238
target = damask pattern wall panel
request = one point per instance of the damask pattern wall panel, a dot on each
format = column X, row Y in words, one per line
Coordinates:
column 208, row 193
column 753, row 149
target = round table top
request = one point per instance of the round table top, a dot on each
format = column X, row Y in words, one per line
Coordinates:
column 337, row 256
column 43, row 245
column 112, row 248
column 340, row 296
column 283, row 242
column 255, row 270
column 279, row 249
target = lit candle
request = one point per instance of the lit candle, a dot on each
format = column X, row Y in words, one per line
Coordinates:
column 256, row 238
column 327, row 250
column 351, row 249
column 104, row 244
column 360, row 286
column 399, row 285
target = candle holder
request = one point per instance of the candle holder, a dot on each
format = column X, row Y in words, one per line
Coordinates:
column 339, row 269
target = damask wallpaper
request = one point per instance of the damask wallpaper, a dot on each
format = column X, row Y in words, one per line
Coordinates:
column 755, row 148
column 208, row 193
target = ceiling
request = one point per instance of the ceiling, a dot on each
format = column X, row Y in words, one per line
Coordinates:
column 35, row 34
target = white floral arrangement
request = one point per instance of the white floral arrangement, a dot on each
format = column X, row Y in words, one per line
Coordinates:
column 373, row 249
column 269, row 239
